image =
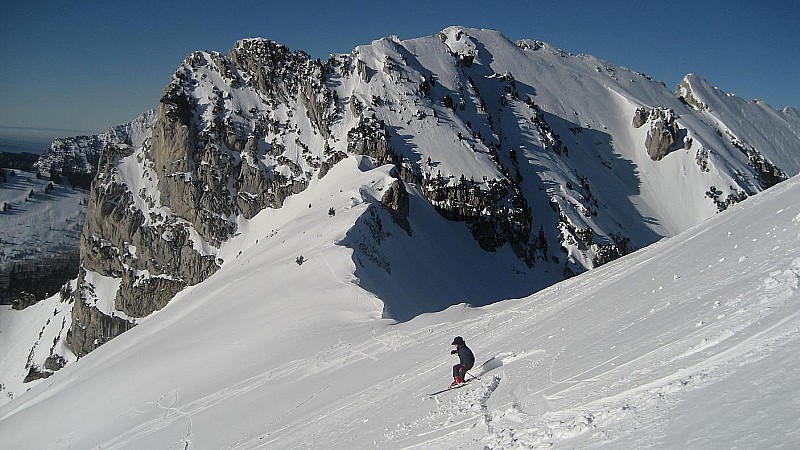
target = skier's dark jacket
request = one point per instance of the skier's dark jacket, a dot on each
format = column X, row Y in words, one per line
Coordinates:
column 465, row 356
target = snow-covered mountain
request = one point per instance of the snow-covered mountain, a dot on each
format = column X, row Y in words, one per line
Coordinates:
column 281, row 199
column 569, row 160
column 42, row 212
column 689, row 343
column 78, row 156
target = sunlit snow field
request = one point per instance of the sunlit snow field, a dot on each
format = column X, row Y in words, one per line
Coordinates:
column 688, row 343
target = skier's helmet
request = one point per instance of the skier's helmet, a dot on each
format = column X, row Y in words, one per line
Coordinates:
column 458, row 341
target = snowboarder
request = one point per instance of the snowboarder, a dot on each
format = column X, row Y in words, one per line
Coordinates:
column 466, row 361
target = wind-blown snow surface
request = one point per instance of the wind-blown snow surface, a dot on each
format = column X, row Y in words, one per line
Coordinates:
column 690, row 342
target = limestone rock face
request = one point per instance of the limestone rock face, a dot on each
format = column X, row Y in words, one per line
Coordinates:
column 118, row 242
column 90, row 327
column 370, row 138
column 660, row 138
column 640, row 117
column 663, row 133
column 363, row 71
column 396, row 199
column 684, row 91
column 154, row 225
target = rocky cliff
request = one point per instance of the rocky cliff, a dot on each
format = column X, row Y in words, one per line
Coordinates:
column 38, row 258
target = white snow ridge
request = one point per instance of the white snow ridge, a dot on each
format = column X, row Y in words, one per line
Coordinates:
column 690, row 342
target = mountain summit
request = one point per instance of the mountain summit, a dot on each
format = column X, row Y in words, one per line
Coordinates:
column 460, row 168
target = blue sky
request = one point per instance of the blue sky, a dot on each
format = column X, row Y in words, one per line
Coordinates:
column 91, row 64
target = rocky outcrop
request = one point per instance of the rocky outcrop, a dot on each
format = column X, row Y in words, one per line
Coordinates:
column 119, row 241
column 396, row 200
column 363, row 71
column 216, row 162
column 663, row 133
column 766, row 173
column 145, row 294
column 660, row 138
column 460, row 45
column 496, row 216
column 91, row 328
column 152, row 256
column 640, row 117
column 370, row 138
column 685, row 92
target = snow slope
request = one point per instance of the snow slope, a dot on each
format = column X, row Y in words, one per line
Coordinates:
column 45, row 223
column 690, row 342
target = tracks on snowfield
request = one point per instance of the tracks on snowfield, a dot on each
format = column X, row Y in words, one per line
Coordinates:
column 633, row 395
column 455, row 412
column 528, row 397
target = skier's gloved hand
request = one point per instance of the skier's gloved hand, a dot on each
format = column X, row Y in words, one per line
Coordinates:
column 453, row 352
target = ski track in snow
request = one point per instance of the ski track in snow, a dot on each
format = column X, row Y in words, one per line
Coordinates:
column 634, row 406
column 626, row 401
column 635, row 398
